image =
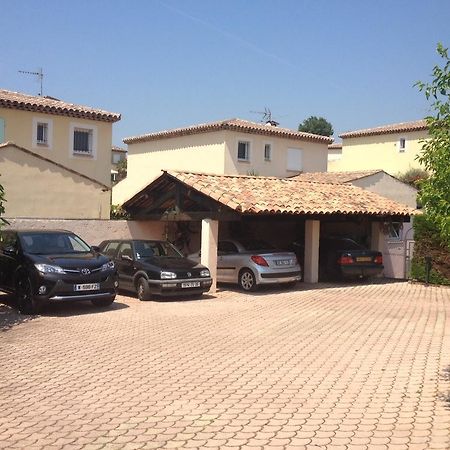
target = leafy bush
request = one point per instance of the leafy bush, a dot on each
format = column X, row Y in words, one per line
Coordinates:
column 431, row 243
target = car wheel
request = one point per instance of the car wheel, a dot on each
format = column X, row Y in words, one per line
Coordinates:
column 103, row 302
column 247, row 280
column 26, row 301
column 143, row 289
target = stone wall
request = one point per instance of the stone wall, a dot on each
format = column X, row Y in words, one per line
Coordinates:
column 94, row 231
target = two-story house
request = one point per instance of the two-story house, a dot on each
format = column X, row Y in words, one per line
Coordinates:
column 241, row 175
column 392, row 148
column 55, row 157
column 229, row 147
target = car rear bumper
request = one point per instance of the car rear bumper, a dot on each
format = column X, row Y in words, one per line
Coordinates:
column 278, row 277
column 355, row 271
column 180, row 287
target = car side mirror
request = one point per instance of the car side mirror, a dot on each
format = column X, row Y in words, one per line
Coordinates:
column 95, row 248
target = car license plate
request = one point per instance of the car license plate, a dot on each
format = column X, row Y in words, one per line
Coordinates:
column 363, row 259
column 190, row 284
column 282, row 262
column 87, row 287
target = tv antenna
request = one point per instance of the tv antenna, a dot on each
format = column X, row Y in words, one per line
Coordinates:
column 40, row 76
column 266, row 116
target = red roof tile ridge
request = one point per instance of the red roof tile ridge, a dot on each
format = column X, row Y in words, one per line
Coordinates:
column 228, row 124
column 51, row 105
column 420, row 124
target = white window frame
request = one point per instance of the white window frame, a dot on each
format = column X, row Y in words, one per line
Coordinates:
column 269, row 146
column 49, row 126
column 402, row 148
column 92, row 130
column 294, row 160
column 395, row 231
column 248, row 148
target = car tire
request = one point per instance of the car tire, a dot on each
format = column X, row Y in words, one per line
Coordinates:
column 103, row 302
column 247, row 280
column 143, row 289
column 26, row 301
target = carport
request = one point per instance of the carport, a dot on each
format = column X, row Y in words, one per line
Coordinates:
column 187, row 197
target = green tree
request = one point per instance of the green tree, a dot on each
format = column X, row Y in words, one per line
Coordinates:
column 316, row 125
column 435, row 154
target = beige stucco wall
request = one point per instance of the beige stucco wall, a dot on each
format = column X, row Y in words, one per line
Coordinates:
column 379, row 152
column 96, row 231
column 196, row 153
column 314, row 155
column 19, row 129
column 37, row 188
column 383, row 184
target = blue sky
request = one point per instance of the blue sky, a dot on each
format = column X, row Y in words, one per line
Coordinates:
column 169, row 63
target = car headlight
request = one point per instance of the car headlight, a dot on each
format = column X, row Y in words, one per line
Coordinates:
column 168, row 275
column 205, row 273
column 48, row 268
column 108, row 266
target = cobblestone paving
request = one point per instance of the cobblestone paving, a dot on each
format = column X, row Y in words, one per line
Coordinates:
column 341, row 367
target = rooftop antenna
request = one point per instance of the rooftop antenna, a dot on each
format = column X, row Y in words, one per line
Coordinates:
column 266, row 116
column 40, row 76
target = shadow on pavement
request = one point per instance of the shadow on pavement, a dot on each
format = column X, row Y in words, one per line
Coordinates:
column 78, row 308
column 9, row 317
column 168, row 299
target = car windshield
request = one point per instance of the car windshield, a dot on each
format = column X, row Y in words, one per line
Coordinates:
column 150, row 249
column 256, row 244
column 52, row 243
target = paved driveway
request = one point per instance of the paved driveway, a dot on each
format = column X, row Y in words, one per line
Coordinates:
column 343, row 367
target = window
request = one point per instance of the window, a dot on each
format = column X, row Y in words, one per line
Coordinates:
column 42, row 132
column 2, row 130
column 294, row 160
column 401, row 144
column 116, row 158
column 395, row 230
column 243, row 150
column 267, row 152
column 82, row 141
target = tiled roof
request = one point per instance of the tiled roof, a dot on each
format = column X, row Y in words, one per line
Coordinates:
column 270, row 195
column 335, row 145
column 42, row 158
column 49, row 105
column 115, row 148
column 417, row 125
column 243, row 126
column 335, row 177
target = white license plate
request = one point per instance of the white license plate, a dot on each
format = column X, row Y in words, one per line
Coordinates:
column 190, row 284
column 283, row 262
column 87, row 287
column 363, row 259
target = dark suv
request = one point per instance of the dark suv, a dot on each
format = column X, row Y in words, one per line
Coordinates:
column 53, row 265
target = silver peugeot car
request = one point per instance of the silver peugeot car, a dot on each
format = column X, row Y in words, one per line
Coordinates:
column 253, row 262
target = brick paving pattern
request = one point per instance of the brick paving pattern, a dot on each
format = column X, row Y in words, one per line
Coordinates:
column 340, row 367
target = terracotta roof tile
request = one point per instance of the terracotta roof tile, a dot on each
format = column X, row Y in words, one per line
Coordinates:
column 270, row 195
column 49, row 105
column 335, row 177
column 335, row 146
column 417, row 125
column 243, row 126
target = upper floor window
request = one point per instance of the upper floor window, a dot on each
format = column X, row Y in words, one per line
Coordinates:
column 83, row 140
column 243, row 151
column 402, row 145
column 42, row 132
column 294, row 160
column 267, row 152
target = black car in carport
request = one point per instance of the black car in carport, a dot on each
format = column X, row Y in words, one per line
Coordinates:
column 41, row 266
column 342, row 257
column 153, row 267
